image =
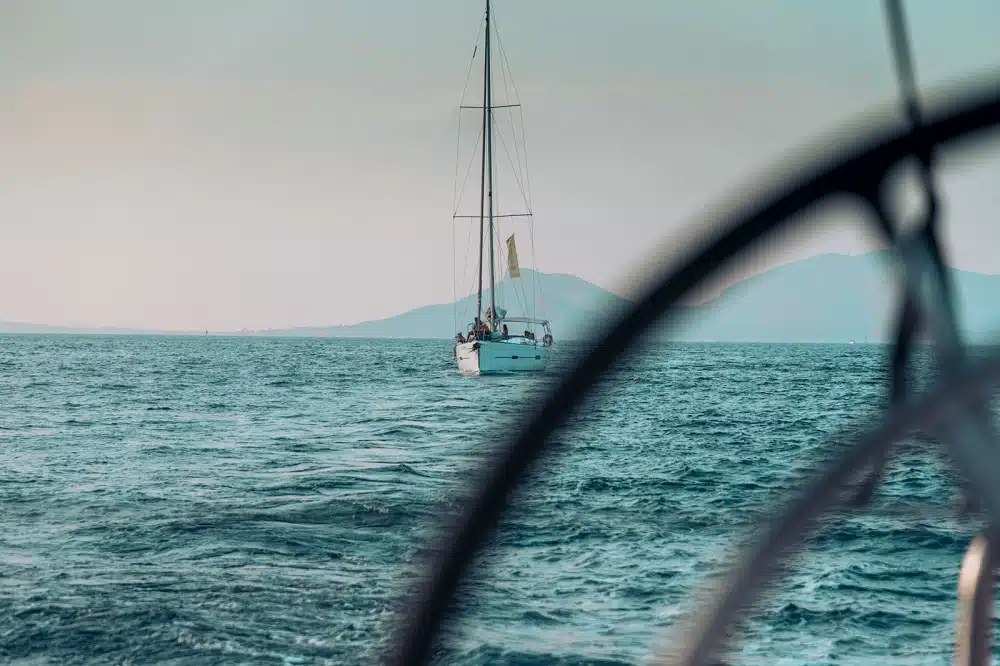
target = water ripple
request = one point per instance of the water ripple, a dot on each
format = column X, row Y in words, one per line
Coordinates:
column 265, row 501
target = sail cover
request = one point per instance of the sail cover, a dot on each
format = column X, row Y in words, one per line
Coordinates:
column 515, row 270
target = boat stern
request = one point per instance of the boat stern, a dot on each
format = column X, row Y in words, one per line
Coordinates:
column 467, row 354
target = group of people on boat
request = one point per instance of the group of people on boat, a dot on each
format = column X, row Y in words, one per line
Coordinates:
column 481, row 331
column 546, row 339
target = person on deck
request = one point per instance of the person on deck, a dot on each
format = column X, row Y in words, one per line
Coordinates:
column 505, row 334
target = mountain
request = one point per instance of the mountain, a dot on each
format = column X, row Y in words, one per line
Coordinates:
column 570, row 304
column 831, row 298
column 827, row 298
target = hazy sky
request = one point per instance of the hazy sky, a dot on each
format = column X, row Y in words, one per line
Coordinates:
column 217, row 164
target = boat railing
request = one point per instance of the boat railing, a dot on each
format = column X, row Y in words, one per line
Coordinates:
column 544, row 323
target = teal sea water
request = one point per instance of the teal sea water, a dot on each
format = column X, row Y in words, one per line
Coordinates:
column 212, row 500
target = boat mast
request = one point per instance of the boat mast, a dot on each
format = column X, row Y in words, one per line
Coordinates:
column 482, row 181
column 489, row 159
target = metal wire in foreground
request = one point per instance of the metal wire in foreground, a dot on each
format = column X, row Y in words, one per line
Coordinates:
column 859, row 170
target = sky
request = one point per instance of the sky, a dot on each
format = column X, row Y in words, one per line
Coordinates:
column 224, row 165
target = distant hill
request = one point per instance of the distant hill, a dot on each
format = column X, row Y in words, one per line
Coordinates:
column 827, row 298
column 831, row 298
column 567, row 301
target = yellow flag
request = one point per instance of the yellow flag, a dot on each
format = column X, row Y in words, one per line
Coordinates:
column 515, row 270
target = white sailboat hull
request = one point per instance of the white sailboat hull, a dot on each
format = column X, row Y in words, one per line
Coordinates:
column 501, row 356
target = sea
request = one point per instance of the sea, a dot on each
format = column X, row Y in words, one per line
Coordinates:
column 250, row 500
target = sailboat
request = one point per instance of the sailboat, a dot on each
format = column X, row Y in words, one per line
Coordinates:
column 495, row 343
